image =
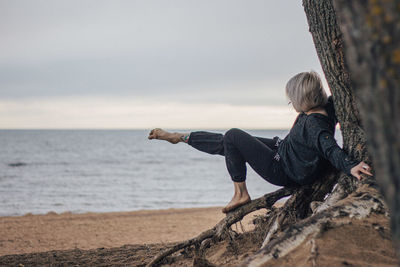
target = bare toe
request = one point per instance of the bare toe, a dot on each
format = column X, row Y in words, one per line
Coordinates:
column 154, row 134
column 151, row 135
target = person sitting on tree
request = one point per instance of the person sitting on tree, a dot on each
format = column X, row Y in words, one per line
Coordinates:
column 296, row 160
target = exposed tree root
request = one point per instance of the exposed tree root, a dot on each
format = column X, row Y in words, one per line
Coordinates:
column 219, row 230
column 341, row 190
column 298, row 207
column 365, row 200
column 309, row 209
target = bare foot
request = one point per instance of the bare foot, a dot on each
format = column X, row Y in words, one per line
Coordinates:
column 236, row 202
column 160, row 134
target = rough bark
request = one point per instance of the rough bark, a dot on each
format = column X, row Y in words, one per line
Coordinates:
column 371, row 31
column 299, row 205
column 328, row 42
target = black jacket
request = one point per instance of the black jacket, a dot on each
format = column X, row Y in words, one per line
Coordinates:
column 309, row 143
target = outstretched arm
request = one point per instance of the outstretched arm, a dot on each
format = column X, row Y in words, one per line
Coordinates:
column 330, row 150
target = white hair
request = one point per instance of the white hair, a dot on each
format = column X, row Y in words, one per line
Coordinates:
column 305, row 91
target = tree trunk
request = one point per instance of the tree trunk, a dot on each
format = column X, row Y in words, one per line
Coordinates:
column 362, row 198
column 328, row 42
column 371, row 31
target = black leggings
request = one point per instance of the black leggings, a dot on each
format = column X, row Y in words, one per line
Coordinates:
column 239, row 147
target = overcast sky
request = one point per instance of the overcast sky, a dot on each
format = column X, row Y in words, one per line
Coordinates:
column 144, row 64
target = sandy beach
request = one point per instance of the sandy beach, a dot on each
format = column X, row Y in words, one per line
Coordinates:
column 134, row 238
column 39, row 233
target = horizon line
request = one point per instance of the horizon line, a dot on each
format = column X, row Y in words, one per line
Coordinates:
column 130, row 129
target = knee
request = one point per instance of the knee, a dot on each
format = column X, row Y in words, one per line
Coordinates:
column 232, row 133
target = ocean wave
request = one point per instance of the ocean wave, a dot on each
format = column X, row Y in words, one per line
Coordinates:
column 17, row 164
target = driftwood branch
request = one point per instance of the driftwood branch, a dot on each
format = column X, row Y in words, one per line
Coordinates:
column 217, row 232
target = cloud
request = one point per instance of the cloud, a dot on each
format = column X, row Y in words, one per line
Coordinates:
column 122, row 113
column 226, row 52
column 135, row 47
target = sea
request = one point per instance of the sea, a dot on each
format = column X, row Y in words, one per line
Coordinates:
column 83, row 171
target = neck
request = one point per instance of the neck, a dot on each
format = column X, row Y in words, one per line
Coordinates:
column 316, row 110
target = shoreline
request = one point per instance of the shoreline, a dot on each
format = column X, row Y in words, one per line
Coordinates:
column 52, row 231
column 52, row 212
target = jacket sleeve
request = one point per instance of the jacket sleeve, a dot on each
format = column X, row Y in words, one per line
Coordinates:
column 329, row 149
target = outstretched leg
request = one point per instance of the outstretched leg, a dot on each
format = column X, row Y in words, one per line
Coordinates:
column 238, row 147
column 173, row 138
column 211, row 143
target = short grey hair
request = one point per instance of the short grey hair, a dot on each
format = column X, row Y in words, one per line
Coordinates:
column 305, row 91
